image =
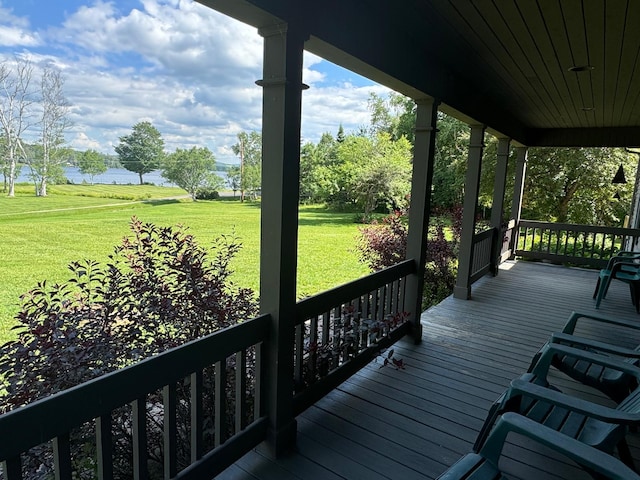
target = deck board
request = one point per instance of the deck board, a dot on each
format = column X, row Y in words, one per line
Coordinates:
column 413, row 423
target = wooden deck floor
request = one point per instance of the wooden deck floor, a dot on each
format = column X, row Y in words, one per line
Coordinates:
column 413, row 423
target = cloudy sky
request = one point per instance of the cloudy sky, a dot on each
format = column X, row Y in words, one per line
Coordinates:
column 187, row 69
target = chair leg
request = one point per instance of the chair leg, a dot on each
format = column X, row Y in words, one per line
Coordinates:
column 595, row 292
column 602, row 290
column 625, row 454
column 632, row 291
column 487, row 426
column 636, row 294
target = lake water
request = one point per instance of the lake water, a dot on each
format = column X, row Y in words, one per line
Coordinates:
column 119, row 176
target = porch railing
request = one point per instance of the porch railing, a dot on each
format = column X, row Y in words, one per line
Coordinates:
column 482, row 254
column 200, row 407
column 170, row 392
column 581, row 245
column 341, row 330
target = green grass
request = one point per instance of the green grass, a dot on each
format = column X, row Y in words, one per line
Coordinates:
column 39, row 237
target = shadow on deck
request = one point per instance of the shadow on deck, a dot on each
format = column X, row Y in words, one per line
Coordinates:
column 413, row 423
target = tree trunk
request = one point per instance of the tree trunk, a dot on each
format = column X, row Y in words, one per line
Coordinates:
column 141, row 182
column 563, row 207
column 12, row 178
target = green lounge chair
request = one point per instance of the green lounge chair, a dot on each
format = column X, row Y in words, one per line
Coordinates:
column 615, row 384
column 485, row 464
column 620, row 267
column 598, row 426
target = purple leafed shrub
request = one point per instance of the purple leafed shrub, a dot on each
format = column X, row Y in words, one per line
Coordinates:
column 159, row 289
column 384, row 244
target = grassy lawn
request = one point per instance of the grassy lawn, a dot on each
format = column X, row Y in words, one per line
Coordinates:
column 40, row 236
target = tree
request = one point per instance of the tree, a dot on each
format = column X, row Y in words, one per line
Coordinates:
column 450, row 162
column 191, row 169
column 54, row 121
column 233, row 179
column 91, row 163
column 249, row 149
column 395, row 115
column 16, row 98
column 142, row 151
column 373, row 171
column 574, row 185
column 318, row 164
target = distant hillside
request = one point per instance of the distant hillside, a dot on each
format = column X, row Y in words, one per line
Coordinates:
column 224, row 167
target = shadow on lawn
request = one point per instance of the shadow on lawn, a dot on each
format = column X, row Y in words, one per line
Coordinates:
column 164, row 201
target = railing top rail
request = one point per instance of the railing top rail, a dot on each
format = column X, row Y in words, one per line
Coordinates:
column 478, row 237
column 347, row 292
column 52, row 416
column 634, row 232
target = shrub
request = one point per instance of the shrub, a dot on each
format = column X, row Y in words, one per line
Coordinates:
column 384, row 244
column 159, row 289
column 207, row 193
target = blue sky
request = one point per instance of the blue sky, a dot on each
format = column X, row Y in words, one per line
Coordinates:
column 184, row 67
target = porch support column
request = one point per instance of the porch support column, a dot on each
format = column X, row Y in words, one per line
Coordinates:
column 497, row 207
column 518, row 189
column 471, row 188
column 421, row 181
column 281, row 117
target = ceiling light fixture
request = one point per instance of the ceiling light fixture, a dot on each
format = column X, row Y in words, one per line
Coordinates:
column 588, row 109
column 619, row 176
column 581, row 68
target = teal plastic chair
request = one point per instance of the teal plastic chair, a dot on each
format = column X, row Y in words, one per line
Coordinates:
column 615, row 384
column 485, row 464
column 598, row 426
column 620, row 267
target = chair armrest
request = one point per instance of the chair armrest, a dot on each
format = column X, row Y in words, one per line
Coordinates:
column 593, row 410
column 570, row 340
column 619, row 266
column 621, row 257
column 548, row 351
column 582, row 454
column 572, row 322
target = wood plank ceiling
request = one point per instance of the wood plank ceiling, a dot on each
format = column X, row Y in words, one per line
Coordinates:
column 544, row 72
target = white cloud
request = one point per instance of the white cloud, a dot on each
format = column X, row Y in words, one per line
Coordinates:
column 14, row 31
column 186, row 68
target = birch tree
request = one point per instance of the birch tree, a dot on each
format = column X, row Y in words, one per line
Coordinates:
column 16, row 99
column 54, row 122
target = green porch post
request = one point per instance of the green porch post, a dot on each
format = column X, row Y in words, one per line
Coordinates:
column 471, row 187
column 281, row 113
column 421, row 180
column 497, row 207
column 518, row 189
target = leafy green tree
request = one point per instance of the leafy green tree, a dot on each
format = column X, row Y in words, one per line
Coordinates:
column 192, row 169
column 249, row 149
column 91, row 163
column 450, row 162
column 318, row 164
column 373, row 172
column 142, row 151
column 574, row 185
column 395, row 115
column 233, row 178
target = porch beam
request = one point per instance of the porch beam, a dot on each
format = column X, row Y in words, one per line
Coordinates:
column 497, row 206
column 421, row 181
column 471, row 188
column 518, row 190
column 281, row 120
